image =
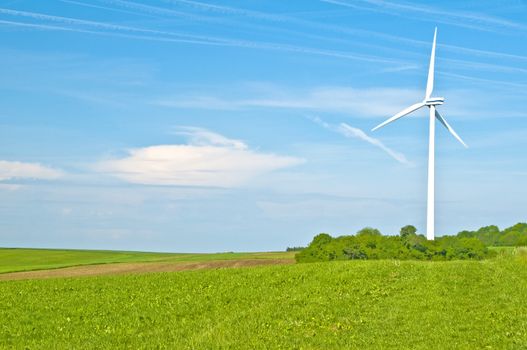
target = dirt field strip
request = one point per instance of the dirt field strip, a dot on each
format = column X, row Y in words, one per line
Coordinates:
column 146, row 267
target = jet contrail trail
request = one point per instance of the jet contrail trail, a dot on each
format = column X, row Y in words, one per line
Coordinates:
column 218, row 41
column 477, row 21
column 154, row 9
column 100, row 25
column 181, row 37
column 120, row 35
column 334, row 28
column 148, row 10
column 350, row 131
column 356, row 133
column 79, row 3
column 231, row 10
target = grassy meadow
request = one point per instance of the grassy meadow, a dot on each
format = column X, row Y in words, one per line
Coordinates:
column 20, row 259
column 379, row 304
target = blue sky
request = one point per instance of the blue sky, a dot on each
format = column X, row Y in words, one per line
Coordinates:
column 179, row 125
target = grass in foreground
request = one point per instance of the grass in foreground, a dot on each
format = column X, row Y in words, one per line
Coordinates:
column 19, row 259
column 335, row 305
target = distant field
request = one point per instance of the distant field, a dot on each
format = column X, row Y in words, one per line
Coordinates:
column 333, row 305
column 12, row 260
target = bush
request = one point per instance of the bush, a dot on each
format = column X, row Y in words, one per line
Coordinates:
column 369, row 243
column 492, row 236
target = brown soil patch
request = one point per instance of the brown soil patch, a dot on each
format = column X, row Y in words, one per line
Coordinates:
column 144, row 267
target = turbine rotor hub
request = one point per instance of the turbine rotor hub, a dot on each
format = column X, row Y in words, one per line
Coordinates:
column 433, row 101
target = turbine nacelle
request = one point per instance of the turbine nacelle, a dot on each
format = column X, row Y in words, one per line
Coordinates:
column 434, row 101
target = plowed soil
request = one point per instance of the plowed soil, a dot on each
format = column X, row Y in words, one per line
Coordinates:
column 147, row 267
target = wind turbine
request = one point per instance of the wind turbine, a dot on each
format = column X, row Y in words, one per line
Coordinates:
column 431, row 103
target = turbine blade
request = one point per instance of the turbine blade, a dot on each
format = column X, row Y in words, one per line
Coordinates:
column 430, row 81
column 449, row 128
column 400, row 114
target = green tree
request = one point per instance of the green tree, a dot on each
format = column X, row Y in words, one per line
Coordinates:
column 369, row 231
column 369, row 243
column 408, row 230
column 355, row 252
column 321, row 239
column 510, row 238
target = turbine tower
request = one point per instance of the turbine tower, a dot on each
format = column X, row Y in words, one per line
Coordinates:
column 431, row 103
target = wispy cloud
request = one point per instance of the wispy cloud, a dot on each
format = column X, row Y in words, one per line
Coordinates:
column 230, row 10
column 110, row 34
column 100, row 25
column 478, row 52
column 144, row 9
column 363, row 32
column 79, row 3
column 472, row 65
column 479, row 18
column 224, row 20
column 472, row 20
column 136, row 33
column 10, row 170
column 109, row 29
column 484, row 101
column 513, row 85
column 356, row 133
column 357, row 102
column 208, row 159
column 203, row 137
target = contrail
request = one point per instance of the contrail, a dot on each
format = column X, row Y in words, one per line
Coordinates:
column 346, row 30
column 356, row 133
column 100, row 25
column 79, row 3
column 231, row 10
column 517, row 87
column 218, row 41
column 180, row 37
column 148, row 10
column 471, row 20
column 121, row 35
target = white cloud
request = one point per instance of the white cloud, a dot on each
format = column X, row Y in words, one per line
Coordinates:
column 19, row 170
column 358, row 102
column 198, row 136
column 361, row 102
column 209, row 159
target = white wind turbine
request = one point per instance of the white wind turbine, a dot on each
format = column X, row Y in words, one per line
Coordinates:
column 431, row 102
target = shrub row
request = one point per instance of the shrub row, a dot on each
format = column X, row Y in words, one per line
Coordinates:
column 369, row 243
column 514, row 236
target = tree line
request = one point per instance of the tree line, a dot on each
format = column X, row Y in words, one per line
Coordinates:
column 514, row 236
column 369, row 243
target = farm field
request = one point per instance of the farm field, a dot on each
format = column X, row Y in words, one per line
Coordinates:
column 19, row 259
column 332, row 305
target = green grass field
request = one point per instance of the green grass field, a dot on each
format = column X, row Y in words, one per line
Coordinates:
column 17, row 259
column 334, row 305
